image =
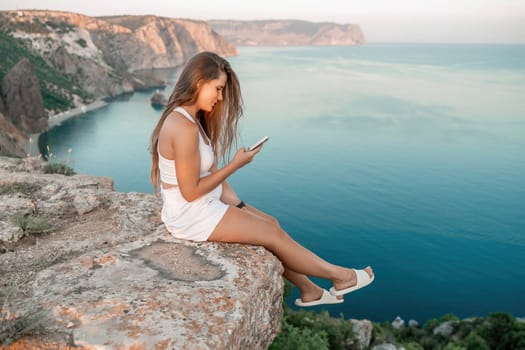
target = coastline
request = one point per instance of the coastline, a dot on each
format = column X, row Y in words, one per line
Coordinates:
column 59, row 118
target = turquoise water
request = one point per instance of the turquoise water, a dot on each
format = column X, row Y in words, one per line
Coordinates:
column 409, row 158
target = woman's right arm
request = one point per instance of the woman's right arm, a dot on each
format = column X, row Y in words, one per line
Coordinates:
column 185, row 145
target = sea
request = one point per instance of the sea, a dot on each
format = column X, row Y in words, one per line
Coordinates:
column 409, row 158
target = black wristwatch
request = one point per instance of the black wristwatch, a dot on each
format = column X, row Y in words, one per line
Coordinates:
column 241, row 205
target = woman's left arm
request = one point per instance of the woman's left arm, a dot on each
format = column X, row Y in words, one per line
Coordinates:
column 228, row 195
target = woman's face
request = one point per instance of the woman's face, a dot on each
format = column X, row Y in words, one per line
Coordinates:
column 210, row 93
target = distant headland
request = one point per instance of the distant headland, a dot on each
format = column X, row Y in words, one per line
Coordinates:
column 288, row 33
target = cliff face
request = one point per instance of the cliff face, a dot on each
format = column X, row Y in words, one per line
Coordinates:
column 78, row 59
column 21, row 108
column 22, row 101
column 288, row 32
column 156, row 42
column 100, row 55
column 125, row 43
column 11, row 139
column 108, row 275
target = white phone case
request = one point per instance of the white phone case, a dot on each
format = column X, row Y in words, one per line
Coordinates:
column 260, row 142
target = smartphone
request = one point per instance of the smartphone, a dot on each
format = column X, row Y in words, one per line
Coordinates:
column 259, row 143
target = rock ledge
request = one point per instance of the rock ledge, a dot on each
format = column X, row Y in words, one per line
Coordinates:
column 111, row 276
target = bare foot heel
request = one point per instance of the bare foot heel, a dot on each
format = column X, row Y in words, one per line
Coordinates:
column 360, row 279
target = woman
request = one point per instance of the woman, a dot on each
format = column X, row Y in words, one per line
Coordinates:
column 198, row 126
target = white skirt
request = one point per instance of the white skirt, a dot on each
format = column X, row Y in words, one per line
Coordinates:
column 194, row 220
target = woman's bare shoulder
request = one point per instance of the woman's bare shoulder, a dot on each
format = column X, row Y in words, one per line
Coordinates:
column 176, row 126
column 177, row 133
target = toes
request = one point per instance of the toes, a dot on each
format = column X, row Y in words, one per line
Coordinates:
column 369, row 271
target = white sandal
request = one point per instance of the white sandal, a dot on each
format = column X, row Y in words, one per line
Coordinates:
column 326, row 298
column 363, row 280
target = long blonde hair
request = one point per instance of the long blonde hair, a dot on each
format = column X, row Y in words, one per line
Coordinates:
column 220, row 124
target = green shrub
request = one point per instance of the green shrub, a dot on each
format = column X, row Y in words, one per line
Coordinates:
column 413, row 346
column 26, row 323
column 31, row 224
column 453, row 346
column 56, row 101
column 295, row 338
column 82, row 43
column 433, row 323
column 465, row 327
column 25, row 188
column 501, row 331
column 58, row 168
column 474, row 342
column 339, row 331
column 311, row 330
column 430, row 343
column 383, row 333
column 60, row 26
column 409, row 333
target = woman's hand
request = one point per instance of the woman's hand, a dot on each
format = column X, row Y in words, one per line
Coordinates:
column 243, row 156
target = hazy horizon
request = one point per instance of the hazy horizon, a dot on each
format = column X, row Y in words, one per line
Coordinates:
column 431, row 21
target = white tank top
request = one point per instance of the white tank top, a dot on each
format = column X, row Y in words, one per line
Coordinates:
column 167, row 166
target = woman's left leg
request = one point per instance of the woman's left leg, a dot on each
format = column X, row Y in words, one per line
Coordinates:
column 309, row 290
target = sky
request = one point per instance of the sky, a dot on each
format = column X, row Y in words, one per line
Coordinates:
column 454, row 21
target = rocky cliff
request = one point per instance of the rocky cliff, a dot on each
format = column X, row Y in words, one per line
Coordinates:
column 101, row 56
column 157, row 42
column 22, row 100
column 11, row 139
column 84, row 267
column 288, row 32
column 52, row 61
column 21, row 108
column 103, row 273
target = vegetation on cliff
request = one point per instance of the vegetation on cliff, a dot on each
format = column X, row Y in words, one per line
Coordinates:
column 79, row 58
column 55, row 86
column 304, row 330
column 497, row 331
column 311, row 330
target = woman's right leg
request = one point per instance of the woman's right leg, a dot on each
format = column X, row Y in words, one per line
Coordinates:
column 241, row 227
column 309, row 290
